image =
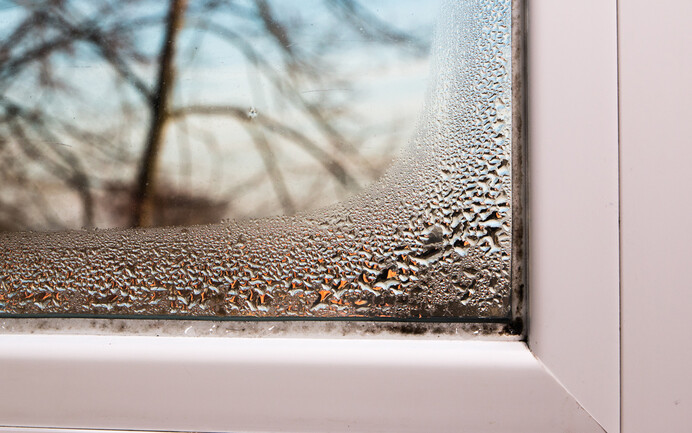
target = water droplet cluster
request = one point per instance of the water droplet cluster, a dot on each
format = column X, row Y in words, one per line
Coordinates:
column 432, row 239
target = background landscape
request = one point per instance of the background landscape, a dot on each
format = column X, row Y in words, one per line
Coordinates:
column 143, row 113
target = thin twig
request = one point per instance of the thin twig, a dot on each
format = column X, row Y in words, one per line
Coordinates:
column 272, row 168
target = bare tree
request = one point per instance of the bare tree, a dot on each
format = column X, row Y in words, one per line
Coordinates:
column 40, row 142
column 160, row 108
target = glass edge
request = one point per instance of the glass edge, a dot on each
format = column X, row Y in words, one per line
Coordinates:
column 519, row 273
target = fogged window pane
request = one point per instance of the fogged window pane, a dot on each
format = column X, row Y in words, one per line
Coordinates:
column 431, row 239
column 166, row 113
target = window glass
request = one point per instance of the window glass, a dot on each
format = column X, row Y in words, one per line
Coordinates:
column 431, row 239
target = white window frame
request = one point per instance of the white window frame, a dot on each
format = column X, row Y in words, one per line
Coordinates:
column 565, row 379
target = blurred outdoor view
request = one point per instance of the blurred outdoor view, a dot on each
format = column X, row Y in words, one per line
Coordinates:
column 122, row 113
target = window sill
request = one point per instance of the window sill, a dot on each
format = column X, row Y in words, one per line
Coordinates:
column 219, row 384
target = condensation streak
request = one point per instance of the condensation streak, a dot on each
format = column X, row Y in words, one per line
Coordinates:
column 432, row 239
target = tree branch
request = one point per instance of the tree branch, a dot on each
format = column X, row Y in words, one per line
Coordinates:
column 273, row 171
column 324, row 158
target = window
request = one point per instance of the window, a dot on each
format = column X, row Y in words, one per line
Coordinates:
column 375, row 385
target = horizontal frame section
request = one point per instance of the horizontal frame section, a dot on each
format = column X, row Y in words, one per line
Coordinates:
column 284, row 385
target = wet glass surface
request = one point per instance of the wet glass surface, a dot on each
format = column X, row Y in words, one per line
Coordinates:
column 430, row 240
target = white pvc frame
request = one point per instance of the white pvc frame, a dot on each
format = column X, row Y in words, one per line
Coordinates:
column 566, row 378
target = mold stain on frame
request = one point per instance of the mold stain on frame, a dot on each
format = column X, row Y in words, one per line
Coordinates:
column 438, row 241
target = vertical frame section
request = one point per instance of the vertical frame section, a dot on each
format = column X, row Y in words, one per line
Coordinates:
column 573, row 166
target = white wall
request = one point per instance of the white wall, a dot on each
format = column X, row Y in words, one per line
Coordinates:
column 655, row 42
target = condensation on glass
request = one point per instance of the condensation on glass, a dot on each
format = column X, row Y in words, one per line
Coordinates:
column 433, row 239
